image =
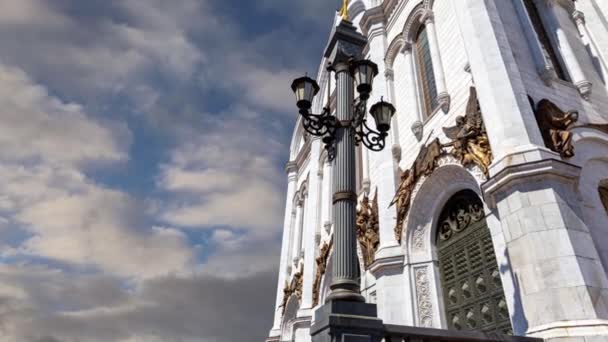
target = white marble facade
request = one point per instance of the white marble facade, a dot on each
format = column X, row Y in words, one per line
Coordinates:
column 548, row 225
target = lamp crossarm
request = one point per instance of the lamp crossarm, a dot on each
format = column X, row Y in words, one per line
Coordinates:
column 318, row 124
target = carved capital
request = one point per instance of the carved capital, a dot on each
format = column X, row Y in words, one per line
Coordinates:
column 291, row 167
column 547, row 74
column 407, row 48
column 579, row 17
column 418, row 129
column 389, row 74
column 427, row 17
column 444, row 100
column 396, row 150
column 584, row 88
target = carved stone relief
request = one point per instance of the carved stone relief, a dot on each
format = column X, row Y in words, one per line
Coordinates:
column 469, row 146
column 423, row 297
column 321, row 267
column 368, row 229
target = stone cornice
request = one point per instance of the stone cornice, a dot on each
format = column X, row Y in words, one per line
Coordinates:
column 376, row 15
column 541, row 169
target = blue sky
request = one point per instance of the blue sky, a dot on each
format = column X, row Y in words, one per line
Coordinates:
column 142, row 146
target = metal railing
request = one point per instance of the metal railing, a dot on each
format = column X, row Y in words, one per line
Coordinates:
column 399, row 333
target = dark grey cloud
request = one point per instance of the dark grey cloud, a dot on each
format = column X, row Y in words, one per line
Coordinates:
column 168, row 309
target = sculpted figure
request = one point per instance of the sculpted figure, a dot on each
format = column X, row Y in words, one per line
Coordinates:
column 402, row 200
column 555, row 125
column 470, row 142
column 368, row 230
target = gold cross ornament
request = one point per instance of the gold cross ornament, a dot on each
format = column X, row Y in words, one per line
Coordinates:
column 344, row 10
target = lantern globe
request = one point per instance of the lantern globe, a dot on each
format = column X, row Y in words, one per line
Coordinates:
column 363, row 72
column 383, row 113
column 305, row 89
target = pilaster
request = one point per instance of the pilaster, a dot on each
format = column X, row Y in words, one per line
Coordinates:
column 559, row 280
column 310, row 228
column 292, row 174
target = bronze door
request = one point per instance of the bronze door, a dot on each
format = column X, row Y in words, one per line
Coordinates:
column 473, row 295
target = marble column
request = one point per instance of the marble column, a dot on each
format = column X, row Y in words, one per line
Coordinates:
column 412, row 91
column 297, row 234
column 579, row 20
column 443, row 98
column 543, row 64
column 556, row 16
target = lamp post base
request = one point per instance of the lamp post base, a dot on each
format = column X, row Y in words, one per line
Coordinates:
column 341, row 321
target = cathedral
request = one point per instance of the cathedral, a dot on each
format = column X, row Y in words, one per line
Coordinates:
column 488, row 208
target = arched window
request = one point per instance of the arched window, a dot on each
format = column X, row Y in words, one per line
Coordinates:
column 470, row 277
column 426, row 76
column 603, row 190
column 545, row 42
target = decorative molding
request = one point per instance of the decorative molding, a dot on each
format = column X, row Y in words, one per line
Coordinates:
column 423, row 297
column 321, row 267
column 532, row 171
column 459, row 218
column 555, row 126
column 470, row 148
column 599, row 127
column 413, row 22
column 368, row 229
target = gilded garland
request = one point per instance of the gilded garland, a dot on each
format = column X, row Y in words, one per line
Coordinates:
column 469, row 144
column 368, row 229
column 293, row 287
column 321, row 267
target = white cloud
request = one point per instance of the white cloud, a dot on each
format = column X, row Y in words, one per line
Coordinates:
column 36, row 125
column 227, row 177
column 43, row 143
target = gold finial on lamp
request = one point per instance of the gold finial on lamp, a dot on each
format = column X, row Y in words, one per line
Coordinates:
column 344, row 11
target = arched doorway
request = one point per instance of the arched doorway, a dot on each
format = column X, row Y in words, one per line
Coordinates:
column 470, row 278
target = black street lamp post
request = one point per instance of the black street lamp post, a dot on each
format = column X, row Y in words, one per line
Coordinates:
column 345, row 316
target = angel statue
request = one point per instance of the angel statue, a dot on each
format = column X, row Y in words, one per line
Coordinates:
column 402, row 200
column 344, row 10
column 367, row 229
column 555, row 125
column 469, row 138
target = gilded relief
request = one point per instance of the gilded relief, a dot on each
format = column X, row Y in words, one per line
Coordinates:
column 368, row 229
column 293, row 288
column 470, row 142
column 469, row 145
column 321, row 268
column 555, row 126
